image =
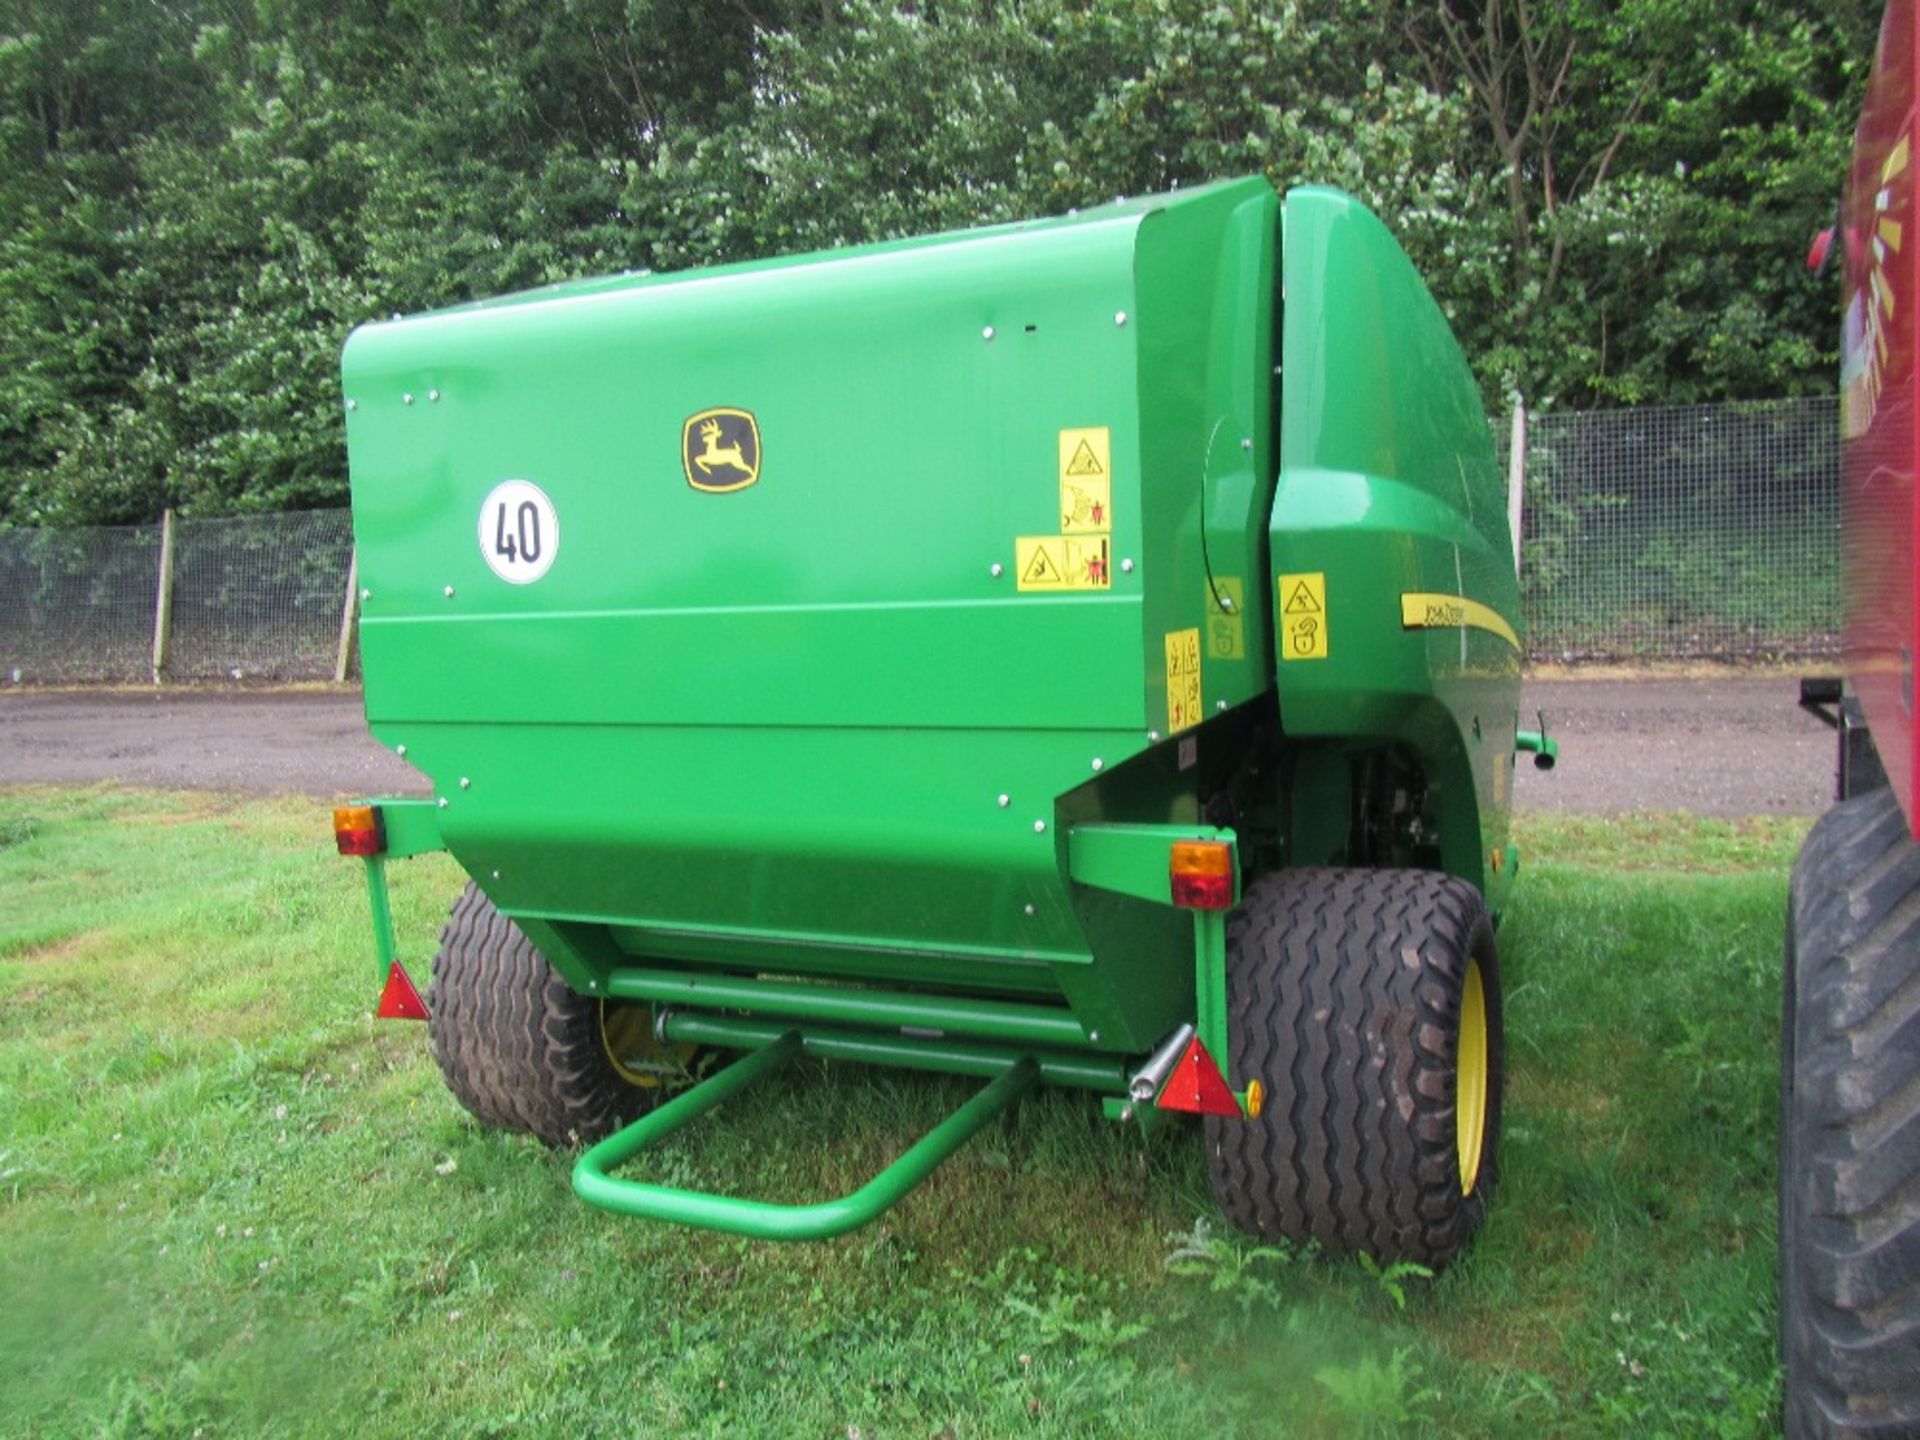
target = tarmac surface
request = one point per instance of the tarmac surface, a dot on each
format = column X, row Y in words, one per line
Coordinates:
column 1724, row 746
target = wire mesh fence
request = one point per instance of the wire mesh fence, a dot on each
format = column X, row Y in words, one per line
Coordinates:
column 1703, row 532
column 251, row 598
column 1708, row 532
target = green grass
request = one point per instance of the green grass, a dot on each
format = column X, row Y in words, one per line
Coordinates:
column 231, row 1204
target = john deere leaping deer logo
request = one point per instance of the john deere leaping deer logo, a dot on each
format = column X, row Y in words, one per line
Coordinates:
column 720, row 449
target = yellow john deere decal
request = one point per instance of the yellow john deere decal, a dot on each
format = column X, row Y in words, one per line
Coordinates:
column 720, row 449
column 1451, row 612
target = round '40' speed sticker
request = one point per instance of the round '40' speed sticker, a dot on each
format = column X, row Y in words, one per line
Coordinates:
column 519, row 531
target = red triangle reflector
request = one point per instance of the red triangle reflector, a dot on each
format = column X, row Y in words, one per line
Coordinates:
column 400, row 1001
column 1197, row 1086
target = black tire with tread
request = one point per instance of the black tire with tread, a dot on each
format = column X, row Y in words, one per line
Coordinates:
column 1850, row 1127
column 519, row 1049
column 1345, row 991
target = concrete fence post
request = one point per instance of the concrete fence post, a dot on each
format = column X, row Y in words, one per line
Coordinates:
column 163, row 599
column 1517, row 477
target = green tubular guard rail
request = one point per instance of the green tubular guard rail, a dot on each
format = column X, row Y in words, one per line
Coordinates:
column 759, row 1219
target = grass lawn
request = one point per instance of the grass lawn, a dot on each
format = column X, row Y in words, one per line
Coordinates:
column 231, row 1204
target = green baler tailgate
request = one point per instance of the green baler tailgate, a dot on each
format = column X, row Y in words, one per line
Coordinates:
column 775, row 723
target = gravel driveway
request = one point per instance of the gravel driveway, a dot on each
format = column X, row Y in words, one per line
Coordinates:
column 1718, row 747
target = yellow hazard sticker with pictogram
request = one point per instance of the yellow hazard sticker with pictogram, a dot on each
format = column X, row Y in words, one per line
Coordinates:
column 1063, row 562
column 1302, row 598
column 1086, row 481
column 1226, row 630
column 1183, row 679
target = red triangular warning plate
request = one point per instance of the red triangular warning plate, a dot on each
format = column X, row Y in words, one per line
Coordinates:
column 400, row 1001
column 1196, row 1085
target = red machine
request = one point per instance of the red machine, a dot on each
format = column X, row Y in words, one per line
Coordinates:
column 1850, row 1038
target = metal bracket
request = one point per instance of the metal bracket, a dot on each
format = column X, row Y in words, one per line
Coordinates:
column 594, row 1182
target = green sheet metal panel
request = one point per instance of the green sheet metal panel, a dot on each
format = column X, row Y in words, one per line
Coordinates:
column 772, row 726
column 1388, row 488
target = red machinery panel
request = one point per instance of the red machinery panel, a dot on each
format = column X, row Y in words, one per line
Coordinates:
column 1878, row 394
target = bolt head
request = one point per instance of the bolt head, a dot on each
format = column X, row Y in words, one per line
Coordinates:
column 1127, row 566
column 443, row 802
column 1005, row 801
column 449, row 592
column 1119, row 317
column 1039, row 827
column 997, row 570
column 496, row 874
column 1029, row 909
column 1246, row 443
column 1226, row 604
column 1098, row 763
column 366, row 594
column 987, row 333
column 353, row 404
column 465, row 783
column 1093, row 1037
column 407, row 399
column 434, row 396
column 1220, row 705
column 1153, row 737
column 399, row 749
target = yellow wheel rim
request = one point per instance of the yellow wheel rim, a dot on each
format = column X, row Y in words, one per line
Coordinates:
column 1470, row 1083
column 626, row 1033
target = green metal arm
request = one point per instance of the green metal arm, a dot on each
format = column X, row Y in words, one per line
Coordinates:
column 759, row 1219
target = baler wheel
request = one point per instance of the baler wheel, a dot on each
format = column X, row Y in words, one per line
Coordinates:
column 1850, row 1127
column 1367, row 1003
column 519, row 1049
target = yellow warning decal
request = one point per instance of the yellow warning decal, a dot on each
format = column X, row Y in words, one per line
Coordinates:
column 1303, row 615
column 1086, row 481
column 1226, row 629
column 1183, row 679
column 1450, row 612
column 1062, row 562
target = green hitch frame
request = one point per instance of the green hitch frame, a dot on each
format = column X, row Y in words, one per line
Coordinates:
column 594, row 1182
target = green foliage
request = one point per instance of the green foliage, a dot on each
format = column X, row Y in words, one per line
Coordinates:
column 198, row 200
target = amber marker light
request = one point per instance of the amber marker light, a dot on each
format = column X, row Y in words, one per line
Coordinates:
column 1202, row 874
column 357, row 830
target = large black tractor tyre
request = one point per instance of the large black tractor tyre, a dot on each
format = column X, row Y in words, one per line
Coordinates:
column 519, row 1049
column 1367, row 1004
column 1850, row 1127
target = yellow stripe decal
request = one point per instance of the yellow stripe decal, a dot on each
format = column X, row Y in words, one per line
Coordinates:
column 1448, row 612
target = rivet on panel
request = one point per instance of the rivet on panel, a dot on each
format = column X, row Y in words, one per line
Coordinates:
column 1127, row 566
column 496, row 874
column 1029, row 909
column 399, row 749
column 1093, row 1037
column 407, row 399
column 1098, row 763
column 1221, row 706
column 443, row 802
column 997, row 570
column 1153, row 737
column 1226, row 604
column 366, row 594
column 987, row 334
column 434, row 396
column 1119, row 317
column 465, row 783
column 449, row 592
column 1005, row 801
column 1246, row 443
column 1039, row 827
column 353, row 404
